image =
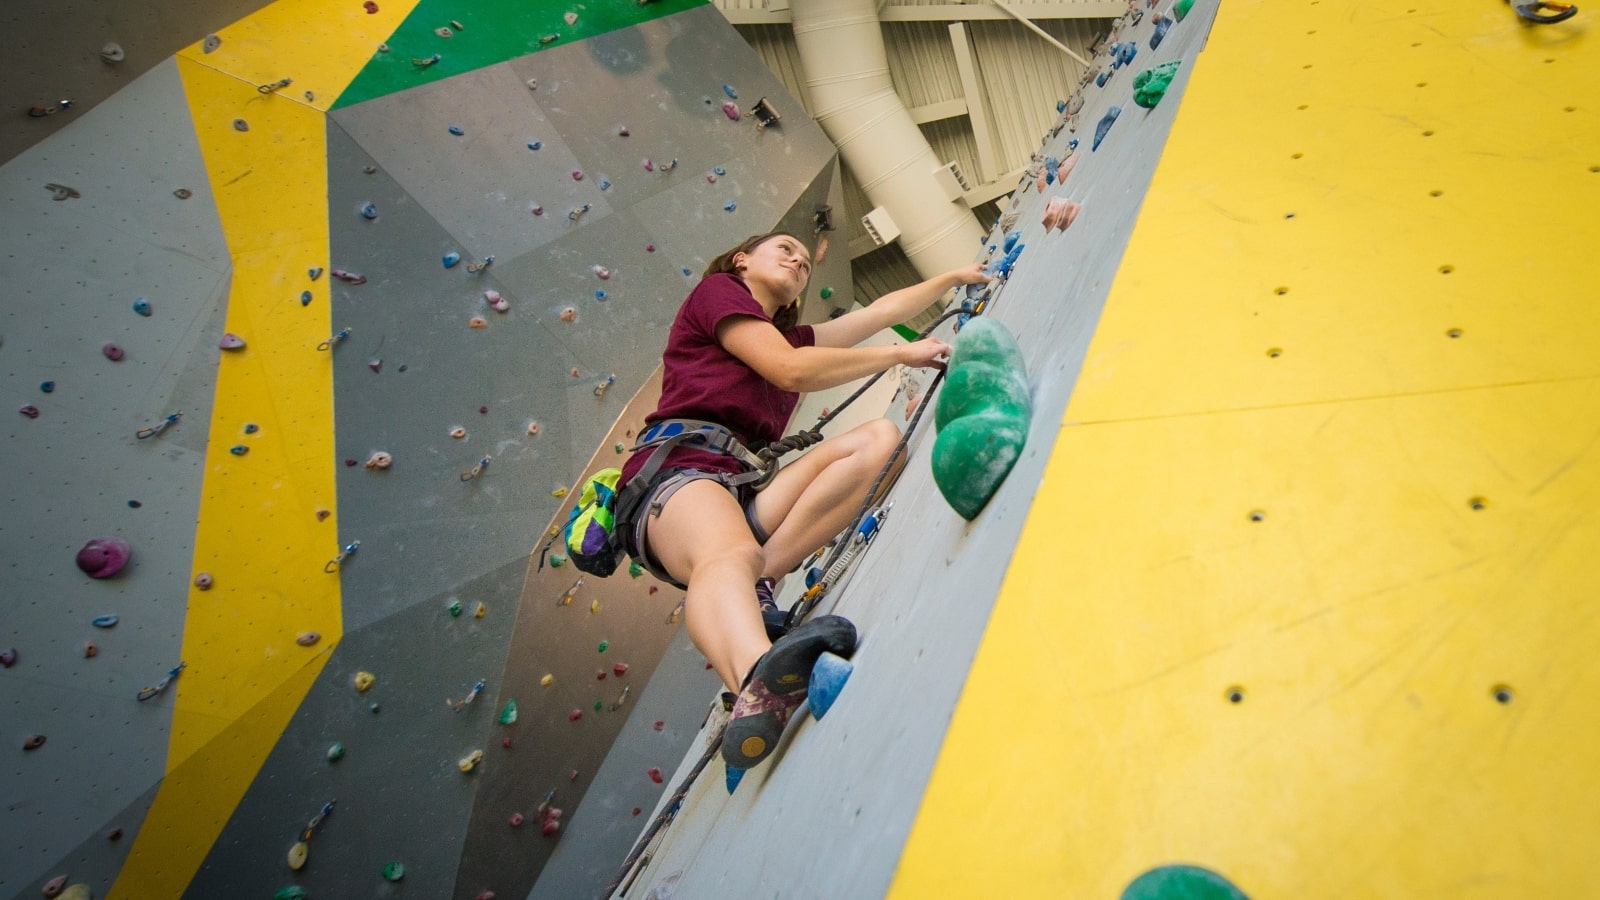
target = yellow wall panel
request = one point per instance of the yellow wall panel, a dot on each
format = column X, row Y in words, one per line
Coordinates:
column 1366, row 618
column 1393, row 198
column 320, row 45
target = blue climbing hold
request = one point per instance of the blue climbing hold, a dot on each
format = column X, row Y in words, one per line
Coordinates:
column 686, row 271
column 369, row 210
column 456, row 130
column 239, row 450
column 48, row 387
column 315, row 272
column 605, row 184
column 450, row 259
column 142, row 307
column 734, row 777
column 1072, row 144
column 104, row 621
column 599, row 295
column 534, row 145
column 1128, row 52
column 1104, row 126
column 1101, row 79
column 730, row 206
column 1011, row 239
column 732, row 94
column 1162, row 23
column 1061, row 106
column 828, row 678
column 251, row 428
column 305, row 298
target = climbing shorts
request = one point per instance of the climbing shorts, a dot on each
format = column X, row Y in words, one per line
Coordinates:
column 634, row 529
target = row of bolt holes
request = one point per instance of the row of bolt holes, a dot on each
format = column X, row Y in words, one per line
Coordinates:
column 1501, row 693
column 1475, row 503
column 1451, row 333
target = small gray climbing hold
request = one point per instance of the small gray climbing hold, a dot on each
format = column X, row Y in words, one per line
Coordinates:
column 241, row 125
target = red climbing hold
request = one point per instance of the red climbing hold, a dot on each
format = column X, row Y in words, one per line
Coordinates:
column 655, row 774
column 573, row 775
column 659, row 725
column 30, row 411
column 575, row 715
column 485, row 895
column 637, row 810
column 620, row 669
column 370, row 7
column 505, row 742
column 114, row 834
column 517, row 820
column 599, row 674
column 549, row 826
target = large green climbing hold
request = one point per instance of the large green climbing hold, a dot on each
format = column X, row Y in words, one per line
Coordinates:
column 973, row 455
column 1181, row 8
column 985, row 340
column 1181, row 883
column 289, row 892
column 983, row 414
column 1151, row 85
column 977, row 387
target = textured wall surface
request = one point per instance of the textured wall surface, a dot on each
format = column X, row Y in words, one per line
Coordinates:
column 201, row 789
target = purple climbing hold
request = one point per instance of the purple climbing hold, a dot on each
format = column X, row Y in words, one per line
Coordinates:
column 231, row 341
column 113, row 352
column 1104, row 126
column 30, row 411
column 8, row 657
column 104, row 557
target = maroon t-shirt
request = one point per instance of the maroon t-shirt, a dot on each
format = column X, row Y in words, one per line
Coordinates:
column 704, row 381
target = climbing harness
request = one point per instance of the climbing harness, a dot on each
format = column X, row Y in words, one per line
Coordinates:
column 1533, row 11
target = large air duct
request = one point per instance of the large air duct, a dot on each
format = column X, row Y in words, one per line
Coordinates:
column 853, row 99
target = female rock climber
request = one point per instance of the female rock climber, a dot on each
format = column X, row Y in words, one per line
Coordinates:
column 735, row 357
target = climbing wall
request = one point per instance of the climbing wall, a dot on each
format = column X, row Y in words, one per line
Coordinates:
column 1311, row 549
column 846, row 789
column 323, row 317
column 1297, row 605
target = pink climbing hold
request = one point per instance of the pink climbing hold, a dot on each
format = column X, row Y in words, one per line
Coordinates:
column 575, row 715
column 649, row 166
column 104, row 557
column 731, row 111
column 231, row 341
column 375, row 364
column 112, row 352
column 577, row 175
column 54, row 886
column 517, row 820
column 550, row 826
column 30, row 411
column 1060, row 212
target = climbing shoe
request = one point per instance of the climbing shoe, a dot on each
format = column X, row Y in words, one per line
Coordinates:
column 776, row 686
column 773, row 617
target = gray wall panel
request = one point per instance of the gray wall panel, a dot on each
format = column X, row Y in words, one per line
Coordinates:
column 481, row 185
column 73, row 269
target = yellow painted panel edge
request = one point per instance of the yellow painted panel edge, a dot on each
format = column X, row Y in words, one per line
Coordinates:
column 197, row 798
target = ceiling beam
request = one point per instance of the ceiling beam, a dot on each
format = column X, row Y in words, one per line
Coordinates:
column 952, row 12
